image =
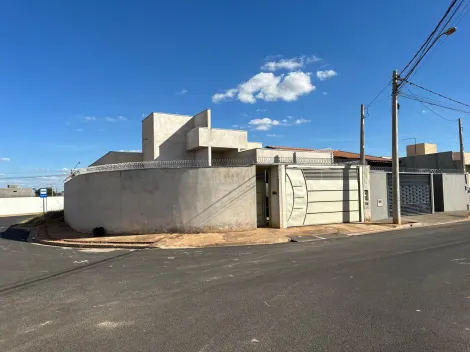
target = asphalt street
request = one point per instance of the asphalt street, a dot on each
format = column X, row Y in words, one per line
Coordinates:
column 398, row 291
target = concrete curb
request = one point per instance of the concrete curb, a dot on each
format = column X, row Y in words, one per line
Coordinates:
column 90, row 245
column 148, row 245
column 80, row 244
column 398, row 228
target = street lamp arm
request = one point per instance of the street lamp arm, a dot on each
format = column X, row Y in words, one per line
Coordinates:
column 447, row 32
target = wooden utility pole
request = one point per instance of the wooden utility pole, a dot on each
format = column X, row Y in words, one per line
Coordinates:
column 396, row 208
column 462, row 153
column 363, row 156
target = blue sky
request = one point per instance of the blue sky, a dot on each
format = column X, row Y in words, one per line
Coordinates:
column 77, row 76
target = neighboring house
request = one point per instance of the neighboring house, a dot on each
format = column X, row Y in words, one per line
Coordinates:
column 426, row 156
column 14, row 191
column 341, row 156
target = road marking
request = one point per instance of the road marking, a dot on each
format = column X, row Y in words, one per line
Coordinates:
column 114, row 324
column 80, row 261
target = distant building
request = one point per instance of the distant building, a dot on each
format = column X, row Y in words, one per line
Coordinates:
column 426, row 156
column 15, row 191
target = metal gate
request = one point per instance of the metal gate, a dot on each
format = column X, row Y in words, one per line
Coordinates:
column 415, row 194
column 261, row 199
column 321, row 195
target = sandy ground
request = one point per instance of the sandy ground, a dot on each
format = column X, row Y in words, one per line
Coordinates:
column 61, row 233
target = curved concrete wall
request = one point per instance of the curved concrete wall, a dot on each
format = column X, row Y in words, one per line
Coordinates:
column 163, row 200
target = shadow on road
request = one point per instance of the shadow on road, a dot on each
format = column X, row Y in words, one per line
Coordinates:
column 15, row 234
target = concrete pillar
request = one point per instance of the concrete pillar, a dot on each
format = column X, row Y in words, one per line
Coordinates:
column 364, row 193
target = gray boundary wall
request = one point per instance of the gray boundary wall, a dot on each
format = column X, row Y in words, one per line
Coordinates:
column 29, row 205
column 451, row 192
column 163, row 200
column 378, row 195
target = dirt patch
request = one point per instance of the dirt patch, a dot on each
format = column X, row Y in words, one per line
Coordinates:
column 51, row 217
column 61, row 233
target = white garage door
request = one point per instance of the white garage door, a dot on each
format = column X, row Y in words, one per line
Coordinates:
column 321, row 196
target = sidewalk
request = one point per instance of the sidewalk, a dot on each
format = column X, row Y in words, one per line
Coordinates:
column 434, row 219
column 60, row 234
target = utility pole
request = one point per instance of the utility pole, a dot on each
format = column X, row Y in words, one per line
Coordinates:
column 396, row 211
column 462, row 154
column 363, row 156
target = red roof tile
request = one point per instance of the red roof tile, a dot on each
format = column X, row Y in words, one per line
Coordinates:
column 349, row 155
column 294, row 148
column 336, row 153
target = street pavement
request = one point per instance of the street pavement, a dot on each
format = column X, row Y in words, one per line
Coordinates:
column 406, row 290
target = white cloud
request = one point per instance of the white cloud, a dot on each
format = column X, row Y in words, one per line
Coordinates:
column 182, row 92
column 284, row 121
column 273, row 135
column 325, row 93
column 4, row 159
column 229, row 94
column 114, row 119
column 268, row 87
column 90, row 118
column 324, row 75
column 261, row 110
column 424, row 111
column 244, row 115
column 263, row 124
column 49, row 177
column 79, row 129
column 301, row 121
column 272, row 57
column 131, row 150
column 290, row 117
column 289, row 64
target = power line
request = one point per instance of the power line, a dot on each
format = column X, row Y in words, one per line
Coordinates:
column 414, row 97
column 431, row 102
column 462, row 14
column 421, row 49
column 432, row 39
column 40, row 177
column 427, row 107
column 378, row 95
column 442, row 96
column 457, row 20
column 439, row 29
